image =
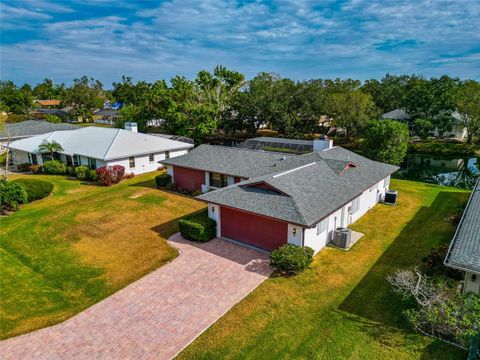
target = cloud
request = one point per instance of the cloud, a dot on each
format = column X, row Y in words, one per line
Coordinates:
column 302, row 39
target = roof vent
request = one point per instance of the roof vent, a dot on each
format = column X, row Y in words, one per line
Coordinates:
column 131, row 126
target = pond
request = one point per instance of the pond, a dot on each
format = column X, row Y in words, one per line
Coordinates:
column 441, row 170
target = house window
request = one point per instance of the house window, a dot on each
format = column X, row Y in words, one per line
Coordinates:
column 68, row 160
column 322, row 226
column 76, row 160
column 92, row 163
column 218, row 180
column 131, row 162
column 167, row 154
column 355, row 205
column 151, row 157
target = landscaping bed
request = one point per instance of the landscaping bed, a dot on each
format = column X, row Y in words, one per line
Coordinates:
column 36, row 189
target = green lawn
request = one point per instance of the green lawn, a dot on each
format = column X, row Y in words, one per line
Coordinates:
column 66, row 252
column 343, row 308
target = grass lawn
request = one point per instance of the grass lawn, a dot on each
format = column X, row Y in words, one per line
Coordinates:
column 66, row 252
column 342, row 308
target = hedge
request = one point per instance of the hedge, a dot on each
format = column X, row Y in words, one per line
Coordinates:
column 82, row 172
column 163, row 180
column 11, row 195
column 291, row 259
column 54, row 167
column 23, row 167
column 198, row 227
column 36, row 189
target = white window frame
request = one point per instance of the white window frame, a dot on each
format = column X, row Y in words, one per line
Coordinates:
column 355, row 205
column 130, row 160
column 151, row 158
column 322, row 226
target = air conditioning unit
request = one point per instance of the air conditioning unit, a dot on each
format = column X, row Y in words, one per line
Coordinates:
column 342, row 238
column 391, row 197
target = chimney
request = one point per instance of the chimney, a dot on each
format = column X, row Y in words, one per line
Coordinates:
column 131, row 126
column 322, row 144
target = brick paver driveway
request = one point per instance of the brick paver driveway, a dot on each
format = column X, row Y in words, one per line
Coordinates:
column 156, row 316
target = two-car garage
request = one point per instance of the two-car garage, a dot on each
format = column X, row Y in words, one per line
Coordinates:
column 259, row 231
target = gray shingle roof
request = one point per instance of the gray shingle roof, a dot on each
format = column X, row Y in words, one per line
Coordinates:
column 464, row 251
column 314, row 185
column 232, row 161
column 33, row 127
column 397, row 114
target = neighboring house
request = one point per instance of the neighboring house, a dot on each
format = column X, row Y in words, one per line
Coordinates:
column 29, row 128
column 47, row 103
column 41, row 113
column 106, row 116
column 458, row 131
column 280, row 144
column 96, row 146
column 267, row 199
column 464, row 251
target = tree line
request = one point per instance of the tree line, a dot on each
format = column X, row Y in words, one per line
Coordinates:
column 223, row 99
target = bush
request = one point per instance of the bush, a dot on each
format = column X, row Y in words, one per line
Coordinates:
column 82, row 172
column 92, row 175
column 11, row 195
column 434, row 266
column 23, row 167
column 291, row 259
column 198, row 227
column 163, row 180
column 129, row 175
column 54, row 167
column 422, row 127
column 36, row 169
column 109, row 175
column 36, row 189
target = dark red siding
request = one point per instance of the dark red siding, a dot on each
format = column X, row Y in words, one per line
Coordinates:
column 252, row 229
column 188, row 179
column 237, row 179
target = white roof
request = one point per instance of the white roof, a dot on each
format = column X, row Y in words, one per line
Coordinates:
column 101, row 143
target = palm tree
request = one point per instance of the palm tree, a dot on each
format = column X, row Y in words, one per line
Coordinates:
column 51, row 147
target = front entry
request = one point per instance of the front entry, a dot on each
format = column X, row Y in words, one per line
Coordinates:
column 252, row 229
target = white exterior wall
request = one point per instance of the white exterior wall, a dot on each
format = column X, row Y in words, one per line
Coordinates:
column 296, row 239
column 19, row 157
column 458, row 132
column 170, row 171
column 343, row 218
column 471, row 285
column 206, row 184
column 214, row 214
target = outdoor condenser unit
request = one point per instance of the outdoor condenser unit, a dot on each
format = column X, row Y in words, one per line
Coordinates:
column 342, row 238
column 391, row 197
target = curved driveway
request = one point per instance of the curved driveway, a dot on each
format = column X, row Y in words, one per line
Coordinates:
column 156, row 316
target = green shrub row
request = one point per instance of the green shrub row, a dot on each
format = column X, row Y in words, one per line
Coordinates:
column 292, row 259
column 85, row 173
column 54, row 167
column 163, row 180
column 198, row 227
column 36, row 189
column 11, row 195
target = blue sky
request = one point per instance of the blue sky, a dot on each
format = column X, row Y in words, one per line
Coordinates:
column 152, row 40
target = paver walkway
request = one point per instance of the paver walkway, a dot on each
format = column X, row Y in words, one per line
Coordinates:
column 156, row 316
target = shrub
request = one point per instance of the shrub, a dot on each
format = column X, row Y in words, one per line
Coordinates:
column 109, row 175
column 291, row 259
column 11, row 195
column 422, row 127
column 198, row 227
column 434, row 266
column 23, row 167
column 54, row 167
column 36, row 189
column 129, row 175
column 92, row 175
column 36, row 169
column 82, row 172
column 163, row 180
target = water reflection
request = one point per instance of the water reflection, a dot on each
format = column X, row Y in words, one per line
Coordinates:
column 458, row 172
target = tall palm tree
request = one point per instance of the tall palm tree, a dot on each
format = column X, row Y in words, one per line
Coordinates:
column 51, row 147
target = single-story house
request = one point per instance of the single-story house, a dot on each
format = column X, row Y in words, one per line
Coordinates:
column 458, row 131
column 47, row 103
column 106, row 116
column 29, row 128
column 464, row 251
column 267, row 199
column 97, row 146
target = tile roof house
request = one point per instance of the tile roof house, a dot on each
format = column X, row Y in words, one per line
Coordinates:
column 97, row 146
column 266, row 199
column 48, row 102
column 464, row 251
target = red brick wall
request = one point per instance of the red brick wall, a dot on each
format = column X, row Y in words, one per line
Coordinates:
column 188, row 179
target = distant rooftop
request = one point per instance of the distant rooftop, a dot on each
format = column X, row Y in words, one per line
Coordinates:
column 32, row 128
column 48, row 102
column 464, row 251
column 278, row 144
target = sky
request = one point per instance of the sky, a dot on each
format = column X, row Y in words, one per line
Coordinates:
column 300, row 39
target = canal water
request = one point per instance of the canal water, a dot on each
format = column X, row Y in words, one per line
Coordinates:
column 448, row 171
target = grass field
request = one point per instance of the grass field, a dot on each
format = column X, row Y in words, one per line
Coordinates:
column 66, row 252
column 343, row 308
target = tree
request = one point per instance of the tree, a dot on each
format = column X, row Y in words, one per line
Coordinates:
column 386, row 141
column 389, row 93
column 53, row 118
column 422, row 127
column 468, row 105
column 84, row 96
column 132, row 113
column 14, row 99
column 48, row 90
column 50, row 146
column 351, row 110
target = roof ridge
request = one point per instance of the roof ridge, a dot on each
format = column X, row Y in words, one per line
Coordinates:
column 246, row 149
column 110, row 146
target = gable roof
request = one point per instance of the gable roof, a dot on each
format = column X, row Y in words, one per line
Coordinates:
column 464, row 250
column 101, row 143
column 397, row 114
column 313, row 186
column 48, row 102
column 287, row 145
column 33, row 127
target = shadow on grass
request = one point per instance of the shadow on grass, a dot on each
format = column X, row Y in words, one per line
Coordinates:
column 372, row 299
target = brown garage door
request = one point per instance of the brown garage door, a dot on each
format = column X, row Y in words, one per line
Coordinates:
column 188, row 179
column 252, row 229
